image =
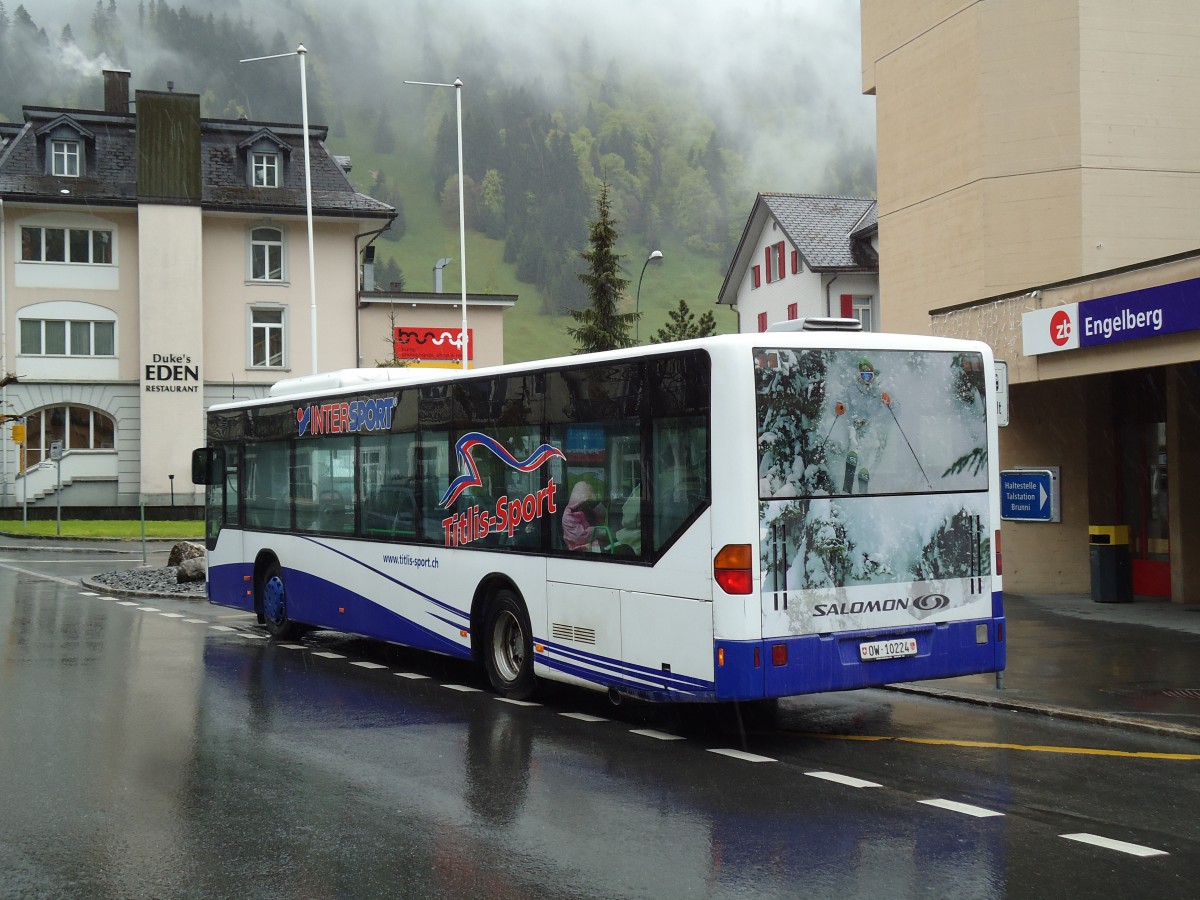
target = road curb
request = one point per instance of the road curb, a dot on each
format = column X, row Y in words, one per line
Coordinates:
column 1057, row 712
column 134, row 594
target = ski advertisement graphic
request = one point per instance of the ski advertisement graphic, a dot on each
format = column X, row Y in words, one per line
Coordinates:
column 873, row 503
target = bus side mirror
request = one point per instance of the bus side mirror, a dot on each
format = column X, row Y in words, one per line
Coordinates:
column 208, row 466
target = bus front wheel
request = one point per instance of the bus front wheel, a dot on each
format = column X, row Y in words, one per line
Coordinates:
column 273, row 597
column 508, row 653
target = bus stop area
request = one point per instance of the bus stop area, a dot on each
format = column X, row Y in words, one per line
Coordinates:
column 1134, row 665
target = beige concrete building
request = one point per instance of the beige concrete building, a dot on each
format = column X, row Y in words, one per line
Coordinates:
column 154, row 262
column 1039, row 188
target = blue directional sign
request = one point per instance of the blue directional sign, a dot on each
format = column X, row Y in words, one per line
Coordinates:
column 1029, row 495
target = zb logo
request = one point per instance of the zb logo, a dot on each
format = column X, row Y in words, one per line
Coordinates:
column 1060, row 328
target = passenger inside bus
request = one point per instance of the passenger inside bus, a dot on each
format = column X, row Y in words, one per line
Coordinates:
column 582, row 522
column 628, row 537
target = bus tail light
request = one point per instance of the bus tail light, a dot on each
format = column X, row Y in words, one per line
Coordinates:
column 779, row 654
column 999, row 567
column 733, row 568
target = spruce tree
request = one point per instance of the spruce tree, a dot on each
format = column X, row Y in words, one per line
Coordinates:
column 601, row 326
column 682, row 325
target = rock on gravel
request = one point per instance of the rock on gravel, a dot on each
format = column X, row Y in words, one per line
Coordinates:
column 151, row 580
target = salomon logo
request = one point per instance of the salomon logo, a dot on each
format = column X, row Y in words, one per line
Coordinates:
column 931, row 602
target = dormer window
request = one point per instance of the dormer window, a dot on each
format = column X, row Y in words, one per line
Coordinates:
column 266, row 170
column 65, row 145
column 64, row 156
column 264, row 154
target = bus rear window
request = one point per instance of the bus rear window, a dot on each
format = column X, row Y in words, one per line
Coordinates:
column 842, row 422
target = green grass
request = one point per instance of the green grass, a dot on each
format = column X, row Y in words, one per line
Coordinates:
column 529, row 332
column 122, row 529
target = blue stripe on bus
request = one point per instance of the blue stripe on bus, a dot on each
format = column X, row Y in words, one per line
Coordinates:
column 408, row 587
column 619, row 667
column 654, row 689
column 326, row 604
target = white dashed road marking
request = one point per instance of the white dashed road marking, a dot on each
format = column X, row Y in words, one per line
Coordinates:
column 743, row 755
column 461, row 688
column 965, row 808
column 326, row 654
column 1110, row 844
column 657, row 735
column 368, row 665
column 414, row 676
column 847, row 780
column 583, row 717
column 517, row 702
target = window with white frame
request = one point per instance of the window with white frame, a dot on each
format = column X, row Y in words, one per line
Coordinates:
column 77, row 427
column 89, row 246
column 62, row 337
column 266, row 169
column 267, row 258
column 64, row 158
column 268, row 337
column 774, row 262
column 861, row 308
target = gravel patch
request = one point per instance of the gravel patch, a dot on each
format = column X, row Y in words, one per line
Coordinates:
column 154, row 582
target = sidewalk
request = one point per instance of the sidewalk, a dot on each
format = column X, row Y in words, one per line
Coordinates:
column 1133, row 665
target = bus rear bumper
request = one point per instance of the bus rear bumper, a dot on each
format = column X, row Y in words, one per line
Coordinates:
column 808, row 664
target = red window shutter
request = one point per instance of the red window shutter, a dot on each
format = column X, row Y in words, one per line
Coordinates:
column 770, row 273
column 793, row 311
column 762, row 321
column 847, row 306
column 779, row 257
column 795, row 262
column 755, row 276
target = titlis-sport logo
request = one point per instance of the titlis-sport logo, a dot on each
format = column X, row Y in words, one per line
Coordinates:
column 926, row 603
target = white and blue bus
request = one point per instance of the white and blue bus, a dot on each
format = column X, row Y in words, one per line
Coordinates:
column 741, row 517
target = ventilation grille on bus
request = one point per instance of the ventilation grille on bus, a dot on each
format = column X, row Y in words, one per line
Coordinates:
column 574, row 633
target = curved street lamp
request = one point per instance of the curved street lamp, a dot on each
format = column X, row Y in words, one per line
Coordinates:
column 655, row 256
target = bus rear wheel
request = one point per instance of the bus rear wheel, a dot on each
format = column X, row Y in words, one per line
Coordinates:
column 273, row 600
column 508, row 647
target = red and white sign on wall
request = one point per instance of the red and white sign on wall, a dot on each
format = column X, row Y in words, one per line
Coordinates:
column 431, row 343
column 1051, row 330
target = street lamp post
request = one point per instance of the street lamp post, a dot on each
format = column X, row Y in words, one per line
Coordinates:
column 655, row 256
column 462, row 220
column 301, row 51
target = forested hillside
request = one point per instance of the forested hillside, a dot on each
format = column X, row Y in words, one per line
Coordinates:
column 539, row 136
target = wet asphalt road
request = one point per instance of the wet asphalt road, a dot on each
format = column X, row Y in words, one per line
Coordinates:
column 169, row 749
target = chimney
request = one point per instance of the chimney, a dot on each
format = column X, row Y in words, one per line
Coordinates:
column 116, row 91
column 368, row 269
column 437, row 273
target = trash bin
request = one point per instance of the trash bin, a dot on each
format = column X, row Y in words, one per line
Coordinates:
column 1112, row 581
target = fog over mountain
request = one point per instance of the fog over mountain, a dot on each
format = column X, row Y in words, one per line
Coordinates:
column 775, row 76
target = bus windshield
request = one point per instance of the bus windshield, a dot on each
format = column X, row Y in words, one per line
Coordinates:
column 841, row 422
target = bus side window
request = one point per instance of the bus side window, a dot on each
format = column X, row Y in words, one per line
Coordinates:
column 680, row 474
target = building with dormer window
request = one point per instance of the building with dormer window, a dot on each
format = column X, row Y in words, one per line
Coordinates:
column 803, row 255
column 153, row 262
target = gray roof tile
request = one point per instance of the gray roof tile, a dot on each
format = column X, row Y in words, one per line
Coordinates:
column 112, row 167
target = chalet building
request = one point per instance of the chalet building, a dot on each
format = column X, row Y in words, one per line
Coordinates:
column 1038, row 190
column 802, row 255
column 154, row 262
